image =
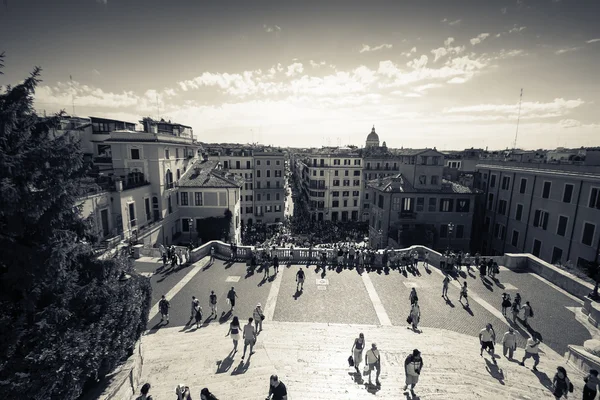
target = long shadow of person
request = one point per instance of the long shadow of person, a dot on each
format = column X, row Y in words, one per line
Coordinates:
column 449, row 302
column 468, row 309
column 297, row 294
column 544, row 379
column 241, row 368
column 224, row 317
column 225, row 364
column 494, row 371
column 488, row 285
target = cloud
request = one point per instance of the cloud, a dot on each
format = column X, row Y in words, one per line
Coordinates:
column 95, row 71
column 480, row 38
column 570, row 123
column 592, row 40
column 317, row 64
column 556, row 108
column 448, row 41
column 271, row 29
column 516, row 29
column 439, row 53
column 424, row 88
column 418, row 63
column 410, row 52
column 566, row 50
column 452, row 23
column 504, row 10
column 367, row 48
column 294, row 69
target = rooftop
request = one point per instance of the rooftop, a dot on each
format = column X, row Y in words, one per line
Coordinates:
column 208, row 174
column 399, row 184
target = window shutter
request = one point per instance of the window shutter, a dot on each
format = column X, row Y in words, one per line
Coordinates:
column 536, row 219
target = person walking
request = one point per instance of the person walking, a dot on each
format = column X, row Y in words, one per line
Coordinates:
column 561, row 383
column 212, row 254
column 198, row 315
column 487, row 338
column 505, row 302
column 357, row 350
column 163, row 306
column 527, row 313
column 231, row 296
column 415, row 315
column 426, row 262
column 412, row 369
column 416, row 259
column 591, row 385
column 277, row 390
column 300, row 280
column 445, row 284
column 266, row 269
column 234, row 331
column 249, row 337
column 144, row 392
column 514, row 309
column 183, row 392
column 413, row 296
column 205, row 394
column 258, row 316
column 532, row 351
column 373, row 360
column 195, row 303
column 518, row 299
column 212, row 300
column 509, row 343
column 463, row 294
column 276, row 264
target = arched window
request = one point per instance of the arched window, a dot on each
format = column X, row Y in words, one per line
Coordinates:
column 178, row 174
column 169, row 179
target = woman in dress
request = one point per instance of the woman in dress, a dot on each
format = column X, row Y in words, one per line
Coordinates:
column 234, row 331
column 505, row 302
column 357, row 350
column 415, row 313
column 413, row 296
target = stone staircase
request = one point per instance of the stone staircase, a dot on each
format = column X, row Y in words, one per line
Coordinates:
column 311, row 359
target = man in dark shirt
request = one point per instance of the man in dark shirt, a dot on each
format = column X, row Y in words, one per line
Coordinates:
column 277, row 390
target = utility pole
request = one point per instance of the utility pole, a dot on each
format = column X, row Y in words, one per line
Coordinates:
column 518, row 120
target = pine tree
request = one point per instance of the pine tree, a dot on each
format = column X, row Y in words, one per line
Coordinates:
column 66, row 317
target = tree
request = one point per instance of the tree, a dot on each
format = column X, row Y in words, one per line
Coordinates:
column 66, row 317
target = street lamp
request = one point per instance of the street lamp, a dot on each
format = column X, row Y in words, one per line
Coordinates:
column 450, row 230
column 191, row 224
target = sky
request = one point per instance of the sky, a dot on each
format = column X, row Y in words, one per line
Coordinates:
column 426, row 73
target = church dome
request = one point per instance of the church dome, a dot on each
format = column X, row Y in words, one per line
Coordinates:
column 373, row 136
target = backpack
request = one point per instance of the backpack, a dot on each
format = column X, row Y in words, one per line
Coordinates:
column 531, row 312
column 571, row 388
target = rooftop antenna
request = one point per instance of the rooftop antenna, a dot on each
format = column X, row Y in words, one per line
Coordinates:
column 518, row 120
column 72, row 94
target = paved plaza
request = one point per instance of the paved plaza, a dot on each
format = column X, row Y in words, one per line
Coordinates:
column 308, row 335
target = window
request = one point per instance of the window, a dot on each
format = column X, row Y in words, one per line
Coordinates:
column 519, row 212
column 335, row 194
column 380, row 202
column 135, row 154
column 446, row 205
column 346, row 182
column 423, row 179
column 490, row 204
column 248, row 165
column 346, row 173
column 178, row 174
column 502, row 207
column 588, row 233
column 443, row 231
column 336, row 162
column 258, row 197
column 169, row 179
column 335, row 203
column 432, row 204
column 198, row 198
column 345, row 203
column 185, row 225
column 258, row 184
column 355, row 203
column 356, row 173
column 505, row 182
column 336, row 182
column 184, row 198
column 537, row 247
column 276, row 196
column 258, row 173
column 561, row 228
column 147, row 204
column 523, row 185
column 268, row 196
column 515, row 238
column 346, row 193
column 568, row 193
column 356, row 182
column 396, row 203
column 407, row 204
column 497, row 230
column 169, row 204
column 257, row 162
column 177, row 152
column 594, row 198
column 269, row 173
column 277, row 162
column 314, row 172
column 355, row 193
column 278, row 207
column 460, row 231
column 556, row 255
column 321, row 173
column 420, row 203
column 336, row 173
column 540, row 220
column 493, row 180
column 546, row 190
column 434, row 180
column 463, row 205
column 268, row 162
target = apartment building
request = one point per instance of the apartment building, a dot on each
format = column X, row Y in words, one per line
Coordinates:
column 331, row 180
column 418, row 204
column 263, row 170
column 551, row 211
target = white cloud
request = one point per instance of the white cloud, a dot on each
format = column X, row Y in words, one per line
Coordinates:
column 516, row 28
column 558, row 107
column 566, row 50
column 452, row 23
column 367, row 48
column 570, row 123
column 294, row 69
column 456, row 80
column 271, row 29
column 410, row 52
column 424, row 88
column 592, row 40
column 439, row 53
column 480, row 38
column 448, row 41
column 317, row 64
column 418, row 63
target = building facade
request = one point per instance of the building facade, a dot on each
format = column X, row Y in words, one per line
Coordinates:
column 550, row 211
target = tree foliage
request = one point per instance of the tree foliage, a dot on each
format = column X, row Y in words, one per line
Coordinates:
column 67, row 317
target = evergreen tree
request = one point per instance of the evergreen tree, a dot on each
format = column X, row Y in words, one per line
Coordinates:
column 66, row 316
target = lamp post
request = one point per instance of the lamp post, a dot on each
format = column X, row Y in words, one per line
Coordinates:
column 450, row 230
column 191, row 224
